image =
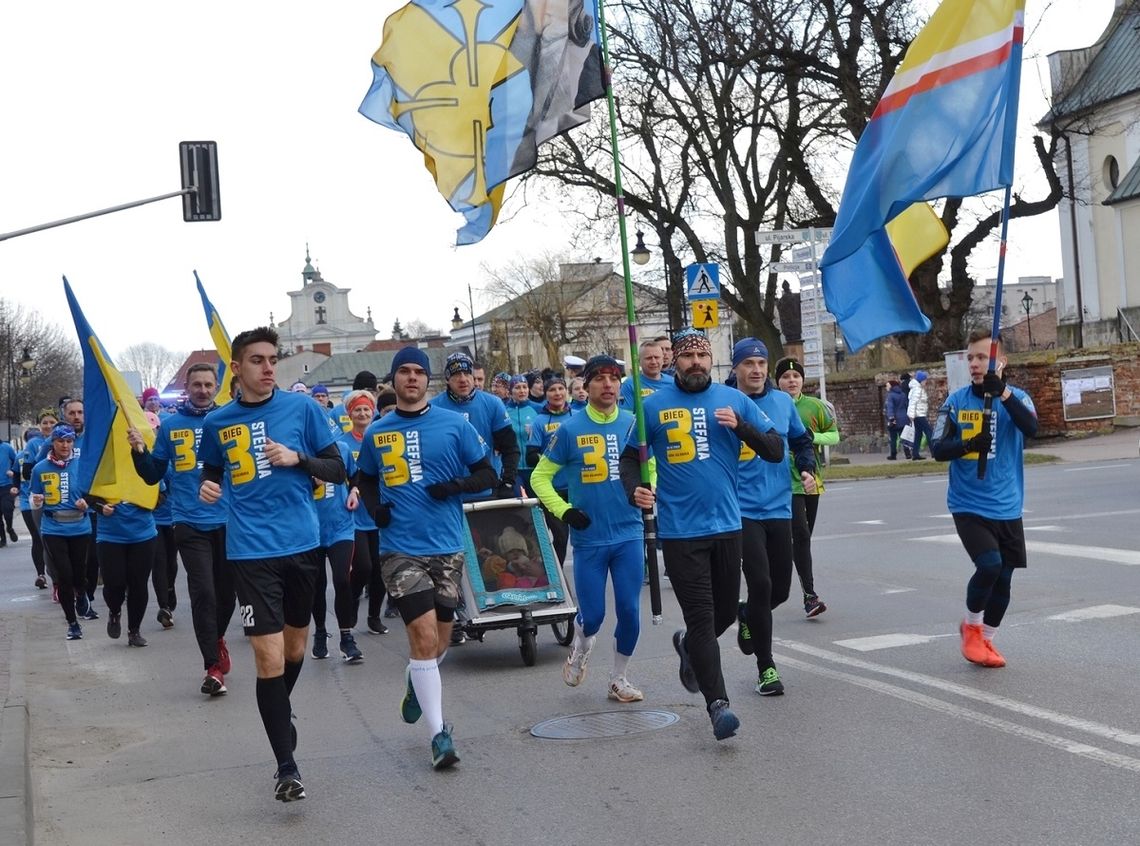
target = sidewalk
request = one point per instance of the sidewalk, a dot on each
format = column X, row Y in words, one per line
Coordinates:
column 1119, row 444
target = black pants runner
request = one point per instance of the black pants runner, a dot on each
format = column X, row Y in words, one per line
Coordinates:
column 767, row 566
column 804, row 509
column 210, row 583
column 69, row 559
column 705, row 575
column 37, row 542
column 165, row 570
column 126, row 569
column 348, row 583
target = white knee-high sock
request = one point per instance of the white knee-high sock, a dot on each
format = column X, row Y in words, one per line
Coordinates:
column 429, row 691
column 621, row 664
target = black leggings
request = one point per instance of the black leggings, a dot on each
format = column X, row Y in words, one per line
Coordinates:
column 37, row 541
column 69, row 560
column 165, row 570
column 347, row 585
column 705, row 575
column 126, row 569
column 767, row 565
column 804, row 509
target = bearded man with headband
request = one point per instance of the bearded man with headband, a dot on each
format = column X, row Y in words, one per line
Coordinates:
column 694, row 428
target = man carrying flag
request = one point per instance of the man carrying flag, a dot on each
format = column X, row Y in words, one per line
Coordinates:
column 945, row 127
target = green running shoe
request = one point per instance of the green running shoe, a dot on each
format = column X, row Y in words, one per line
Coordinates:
column 769, row 683
column 743, row 633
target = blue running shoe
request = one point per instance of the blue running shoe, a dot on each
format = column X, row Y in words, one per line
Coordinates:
column 443, row 750
column 74, row 632
column 410, row 710
column 320, row 644
column 349, row 650
column 724, row 722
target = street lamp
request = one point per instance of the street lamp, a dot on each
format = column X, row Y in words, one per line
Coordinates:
column 1027, row 304
column 640, row 252
column 456, row 320
column 26, row 365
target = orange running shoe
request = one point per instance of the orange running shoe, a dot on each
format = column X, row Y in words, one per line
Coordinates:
column 993, row 658
column 973, row 644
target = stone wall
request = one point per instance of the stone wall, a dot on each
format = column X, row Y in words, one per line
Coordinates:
column 859, row 401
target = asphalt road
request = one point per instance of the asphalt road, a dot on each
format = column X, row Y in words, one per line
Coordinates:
column 885, row 736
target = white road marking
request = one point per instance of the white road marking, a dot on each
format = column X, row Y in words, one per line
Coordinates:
column 1024, row 709
column 1095, row 612
column 1047, row 529
column 1098, row 467
column 889, row 591
column 1107, row 554
column 886, row 641
column 1084, row 750
column 870, row 522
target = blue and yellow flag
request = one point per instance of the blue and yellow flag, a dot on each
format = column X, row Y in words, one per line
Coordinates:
column 945, row 127
column 478, row 85
column 221, row 340
column 109, row 408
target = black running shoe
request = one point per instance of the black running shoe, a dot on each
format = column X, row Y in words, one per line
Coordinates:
column 165, row 618
column 349, row 650
column 320, row 644
column 114, row 627
column 743, row 633
column 688, row 677
column 376, row 626
column 135, row 639
column 289, row 787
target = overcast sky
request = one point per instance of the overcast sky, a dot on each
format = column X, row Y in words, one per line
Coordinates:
column 94, row 98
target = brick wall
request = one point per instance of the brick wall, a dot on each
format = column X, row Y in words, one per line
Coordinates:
column 859, row 402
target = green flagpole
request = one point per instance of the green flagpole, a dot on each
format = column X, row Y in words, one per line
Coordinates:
column 631, row 319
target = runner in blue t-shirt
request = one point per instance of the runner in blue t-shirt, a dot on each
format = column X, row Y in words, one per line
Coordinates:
column 199, row 527
column 125, row 542
column 487, row 414
column 608, row 533
column 987, row 512
column 64, row 525
column 766, row 511
column 694, row 429
column 553, row 414
column 426, row 457
column 651, row 359
column 521, row 414
column 267, row 447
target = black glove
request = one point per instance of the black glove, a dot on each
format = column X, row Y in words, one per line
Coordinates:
column 442, row 490
column 891, row 422
column 576, row 519
column 993, row 384
column 383, row 514
column 980, row 443
column 504, row 490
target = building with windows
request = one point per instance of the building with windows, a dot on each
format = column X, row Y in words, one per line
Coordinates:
column 1096, row 118
column 320, row 320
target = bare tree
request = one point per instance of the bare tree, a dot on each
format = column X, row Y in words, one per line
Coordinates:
column 39, row 363
column 419, row 329
column 562, row 305
column 154, row 363
column 731, row 116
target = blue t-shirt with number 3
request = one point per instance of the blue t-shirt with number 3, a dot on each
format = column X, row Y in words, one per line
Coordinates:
column 697, row 458
column 408, row 453
column 271, row 509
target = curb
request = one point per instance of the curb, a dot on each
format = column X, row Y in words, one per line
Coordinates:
column 16, row 812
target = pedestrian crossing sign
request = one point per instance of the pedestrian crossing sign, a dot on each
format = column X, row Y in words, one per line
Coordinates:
column 706, row 314
column 702, row 281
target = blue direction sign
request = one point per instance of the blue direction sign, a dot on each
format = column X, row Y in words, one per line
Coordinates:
column 702, row 281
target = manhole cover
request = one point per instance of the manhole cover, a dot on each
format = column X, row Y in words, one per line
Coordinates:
column 603, row 724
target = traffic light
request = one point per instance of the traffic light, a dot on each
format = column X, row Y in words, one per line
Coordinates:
column 199, row 161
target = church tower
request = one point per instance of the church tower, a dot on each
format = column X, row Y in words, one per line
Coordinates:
column 320, row 320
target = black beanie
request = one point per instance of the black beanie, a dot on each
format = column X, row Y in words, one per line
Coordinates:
column 364, row 381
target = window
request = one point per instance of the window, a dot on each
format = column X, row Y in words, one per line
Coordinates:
column 1111, row 172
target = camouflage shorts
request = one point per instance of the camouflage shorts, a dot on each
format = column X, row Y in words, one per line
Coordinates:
column 407, row 574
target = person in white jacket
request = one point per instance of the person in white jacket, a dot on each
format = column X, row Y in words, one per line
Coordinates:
column 918, row 406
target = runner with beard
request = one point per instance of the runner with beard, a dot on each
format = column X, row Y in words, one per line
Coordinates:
column 694, row 428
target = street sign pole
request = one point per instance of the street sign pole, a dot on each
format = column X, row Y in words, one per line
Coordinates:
column 819, row 331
